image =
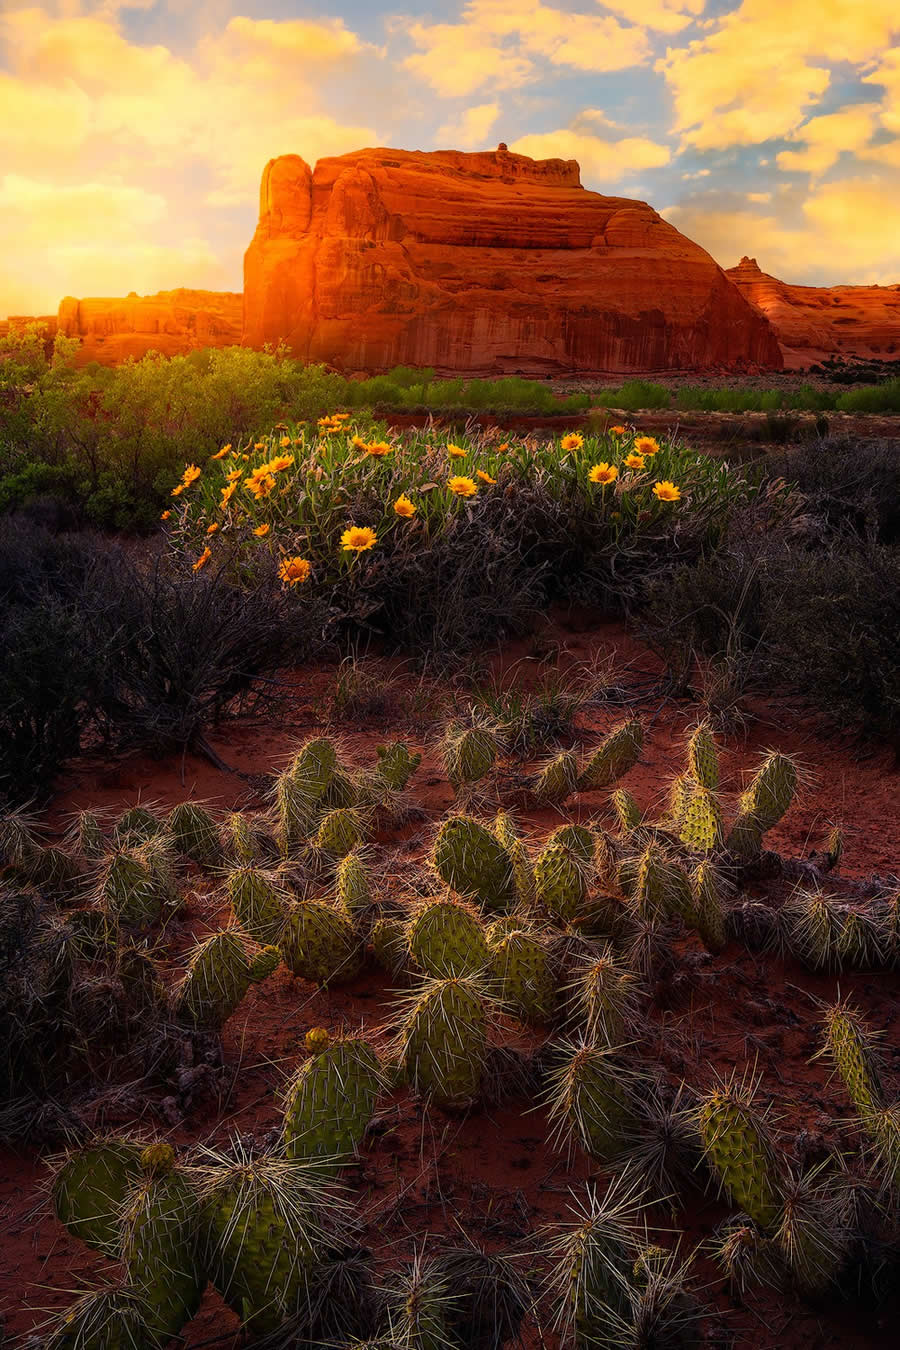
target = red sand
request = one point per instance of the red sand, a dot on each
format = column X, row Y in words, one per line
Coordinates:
column 494, row 1171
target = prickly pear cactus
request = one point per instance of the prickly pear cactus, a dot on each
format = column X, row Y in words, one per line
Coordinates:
column 245, row 838
column 159, row 1232
column 300, row 788
column 523, row 871
column 851, row 1048
column 558, row 778
column 703, row 758
column 388, row 940
column 560, row 876
column 330, row 1101
column 396, row 765
column 603, row 1000
column 523, row 977
column 710, row 911
column 88, row 834
column 471, row 861
column 469, row 753
column 353, row 891
column 90, row 1186
column 617, row 753
column 812, row 928
column 740, row 1151
column 589, row 1102
column 319, row 943
column 109, row 1318
column 340, row 831
column 627, row 810
column 445, row 938
column 701, row 827
column 258, row 901
column 127, row 889
column 136, row 825
column 262, row 1231
column 765, row 801
column 443, row 1041
column 194, row 832
column 420, row 1305
column 217, row 978
column 662, row 888
column 593, row 1262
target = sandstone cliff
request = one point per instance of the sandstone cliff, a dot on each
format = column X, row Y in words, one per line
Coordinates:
column 483, row 263
column 20, row 321
column 171, row 322
column 813, row 322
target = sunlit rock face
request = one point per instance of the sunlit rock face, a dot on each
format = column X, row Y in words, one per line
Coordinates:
column 812, row 322
column 483, row 263
column 170, row 322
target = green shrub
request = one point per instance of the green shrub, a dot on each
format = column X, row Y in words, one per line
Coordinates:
column 879, row 398
column 635, row 394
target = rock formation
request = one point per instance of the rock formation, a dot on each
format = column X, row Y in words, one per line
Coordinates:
column 812, row 322
column 483, row 263
column 171, row 322
column 19, row 321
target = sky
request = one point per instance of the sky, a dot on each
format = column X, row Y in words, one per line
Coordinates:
column 133, row 133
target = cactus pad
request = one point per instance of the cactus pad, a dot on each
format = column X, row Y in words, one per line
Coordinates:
column 319, row 943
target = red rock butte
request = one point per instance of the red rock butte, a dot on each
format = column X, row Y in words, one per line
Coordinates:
column 812, row 322
column 483, row 263
column 170, row 322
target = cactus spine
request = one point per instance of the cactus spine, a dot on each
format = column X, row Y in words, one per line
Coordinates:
column 445, row 938
column 320, row 944
column 442, row 1041
column 471, row 861
column 617, row 753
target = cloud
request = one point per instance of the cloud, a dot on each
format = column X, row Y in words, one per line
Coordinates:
column 827, row 137
column 756, row 75
column 499, row 42
column 844, row 232
column 471, row 129
column 603, row 160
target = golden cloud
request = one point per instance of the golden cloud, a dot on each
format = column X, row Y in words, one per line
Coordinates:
column 471, row 129
column 602, row 160
column 846, row 233
column 496, row 42
column 723, row 84
column 826, row 137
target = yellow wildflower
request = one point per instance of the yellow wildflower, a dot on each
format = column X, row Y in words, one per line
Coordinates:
column 227, row 494
column 502, row 448
column 378, row 448
column 404, row 507
column 463, row 487
column 293, row 570
column 634, row 461
column 360, row 442
column 234, row 475
column 281, row 426
column 220, row 454
column 260, row 445
column 341, row 417
column 278, row 463
column 165, row 515
column 190, row 475
column 261, row 531
column 646, row 445
column 573, row 441
column 211, row 529
column 456, row 452
column 358, row 538
column 485, row 477
column 177, row 491
column 619, row 431
column 666, row 491
column 603, row 473
column 285, row 442
column 203, row 559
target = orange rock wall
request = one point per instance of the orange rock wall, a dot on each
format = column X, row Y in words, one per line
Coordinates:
column 813, row 322
column 171, row 322
column 483, row 263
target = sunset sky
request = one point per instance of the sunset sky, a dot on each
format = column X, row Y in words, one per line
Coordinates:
column 133, row 134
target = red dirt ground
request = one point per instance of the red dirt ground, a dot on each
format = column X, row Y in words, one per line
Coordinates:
column 493, row 1171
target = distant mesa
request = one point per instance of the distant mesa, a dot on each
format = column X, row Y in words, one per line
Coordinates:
column 483, row 263
column 814, row 322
